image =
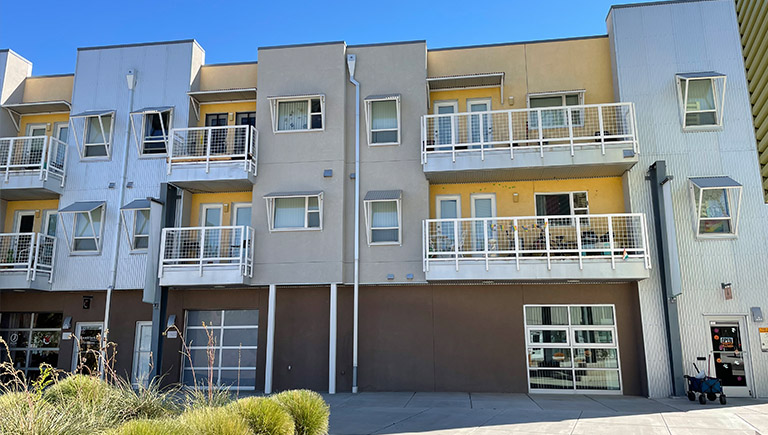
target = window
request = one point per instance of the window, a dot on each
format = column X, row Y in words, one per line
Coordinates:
column 142, row 353
column 290, row 211
column 136, row 221
column 305, row 113
column 553, row 116
column 86, row 226
column 383, row 217
column 150, row 128
column 32, row 339
column 701, row 99
column 383, row 113
column 92, row 132
column 572, row 348
column 716, row 203
column 233, row 337
column 562, row 204
column 141, row 229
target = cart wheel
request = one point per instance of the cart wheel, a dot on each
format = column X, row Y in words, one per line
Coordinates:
column 722, row 399
column 712, row 397
column 702, row 399
column 691, row 396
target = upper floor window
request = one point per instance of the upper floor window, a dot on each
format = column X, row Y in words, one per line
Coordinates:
column 94, row 137
column 383, row 113
column 87, row 226
column 701, row 99
column 150, row 129
column 135, row 216
column 298, row 113
column 562, row 204
column 553, row 114
column 289, row 211
column 383, row 217
column 716, row 203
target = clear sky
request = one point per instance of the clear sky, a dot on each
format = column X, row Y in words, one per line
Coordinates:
column 231, row 31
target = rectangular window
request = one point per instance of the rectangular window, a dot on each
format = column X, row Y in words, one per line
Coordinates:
column 32, row 339
column 141, row 229
column 295, row 212
column 156, row 127
column 98, row 133
column 384, row 221
column 716, row 203
column 572, row 348
column 87, row 232
column 142, row 353
column 383, row 114
column 553, row 114
column 298, row 113
column 701, row 98
column 232, row 338
column 562, row 204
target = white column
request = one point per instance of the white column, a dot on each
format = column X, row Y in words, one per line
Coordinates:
column 270, row 340
column 332, row 341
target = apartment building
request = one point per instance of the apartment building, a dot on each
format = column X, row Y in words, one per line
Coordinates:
column 390, row 217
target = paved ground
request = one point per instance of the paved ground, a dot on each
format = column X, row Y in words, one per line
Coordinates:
column 496, row 414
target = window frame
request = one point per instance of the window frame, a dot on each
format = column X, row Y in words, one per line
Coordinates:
column 274, row 106
column 98, row 239
column 29, row 348
column 732, row 219
column 238, row 205
column 533, row 122
column 683, row 85
column 137, row 352
column 369, row 101
column 368, row 207
column 570, row 202
column 140, row 138
column 272, row 207
column 81, row 147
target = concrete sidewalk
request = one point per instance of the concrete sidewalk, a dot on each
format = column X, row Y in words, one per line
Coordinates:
column 496, row 414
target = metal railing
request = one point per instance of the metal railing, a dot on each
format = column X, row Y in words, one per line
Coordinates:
column 30, row 253
column 608, row 238
column 43, row 154
column 213, row 145
column 207, row 248
column 541, row 129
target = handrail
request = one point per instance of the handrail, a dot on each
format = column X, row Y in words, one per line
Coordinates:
column 213, row 145
column 541, row 129
column 43, row 154
column 519, row 239
column 29, row 253
column 206, row 248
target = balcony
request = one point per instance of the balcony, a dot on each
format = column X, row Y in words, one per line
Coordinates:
column 206, row 256
column 535, row 248
column 32, row 167
column 26, row 261
column 213, row 159
column 506, row 145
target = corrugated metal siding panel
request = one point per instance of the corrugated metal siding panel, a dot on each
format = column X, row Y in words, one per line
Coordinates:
column 753, row 26
column 651, row 43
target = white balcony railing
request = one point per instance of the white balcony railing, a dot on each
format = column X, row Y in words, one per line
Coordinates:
column 207, row 248
column 29, row 253
column 529, row 130
column 214, row 145
column 606, row 238
column 45, row 155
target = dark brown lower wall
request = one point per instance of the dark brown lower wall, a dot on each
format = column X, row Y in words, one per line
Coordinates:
column 471, row 337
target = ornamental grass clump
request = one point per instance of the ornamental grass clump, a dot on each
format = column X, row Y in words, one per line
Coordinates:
column 151, row 427
column 309, row 411
column 148, row 401
column 264, row 416
column 90, row 399
column 214, row 421
column 23, row 414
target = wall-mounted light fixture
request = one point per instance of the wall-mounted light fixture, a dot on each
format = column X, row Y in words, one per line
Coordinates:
column 727, row 290
column 226, row 207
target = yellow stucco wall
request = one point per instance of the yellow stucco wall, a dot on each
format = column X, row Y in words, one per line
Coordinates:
column 51, row 119
column 231, row 108
column 605, row 195
column 228, row 198
column 529, row 68
column 51, row 88
column 14, row 206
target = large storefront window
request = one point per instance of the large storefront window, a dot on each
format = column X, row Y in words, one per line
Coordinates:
column 224, row 343
column 31, row 339
column 572, row 348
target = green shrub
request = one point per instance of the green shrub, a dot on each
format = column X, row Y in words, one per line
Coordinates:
column 214, row 421
column 202, row 398
column 264, row 416
column 151, row 427
column 90, row 399
column 20, row 414
column 309, row 411
column 151, row 401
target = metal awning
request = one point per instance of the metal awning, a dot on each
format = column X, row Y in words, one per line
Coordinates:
column 82, row 207
column 88, row 113
column 700, row 75
column 721, row 182
column 139, row 204
column 383, row 195
column 219, row 95
column 159, row 109
column 293, row 194
column 382, row 97
column 466, row 81
column 39, row 107
column 295, row 97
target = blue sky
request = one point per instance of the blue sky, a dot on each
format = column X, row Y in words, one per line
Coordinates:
column 232, row 31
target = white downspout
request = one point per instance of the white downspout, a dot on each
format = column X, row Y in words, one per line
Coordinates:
column 351, row 59
column 131, row 79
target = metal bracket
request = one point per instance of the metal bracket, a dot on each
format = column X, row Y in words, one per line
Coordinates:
column 16, row 122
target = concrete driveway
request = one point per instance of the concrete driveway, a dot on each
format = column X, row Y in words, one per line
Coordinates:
column 495, row 414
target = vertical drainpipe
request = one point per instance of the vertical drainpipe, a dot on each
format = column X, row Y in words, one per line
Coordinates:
column 351, row 60
column 268, row 369
column 131, row 80
column 332, row 340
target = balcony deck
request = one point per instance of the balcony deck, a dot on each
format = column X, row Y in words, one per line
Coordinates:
column 611, row 247
column 26, row 261
column 524, row 144
column 226, row 257
column 213, row 159
column 32, row 167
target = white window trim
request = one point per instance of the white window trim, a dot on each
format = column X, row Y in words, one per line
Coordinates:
column 17, row 219
column 137, row 351
column 140, row 139
column 562, row 94
column 108, row 144
column 369, row 218
column 99, row 239
column 237, row 205
column 130, row 230
column 719, row 99
column 369, row 121
column 439, row 198
column 271, row 213
column 274, row 102
column 570, row 202
column 734, row 220
column 211, row 206
column 47, row 214
column 491, row 196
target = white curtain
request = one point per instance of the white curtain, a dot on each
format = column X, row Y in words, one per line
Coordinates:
column 292, row 115
column 289, row 212
column 384, row 214
column 384, row 114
